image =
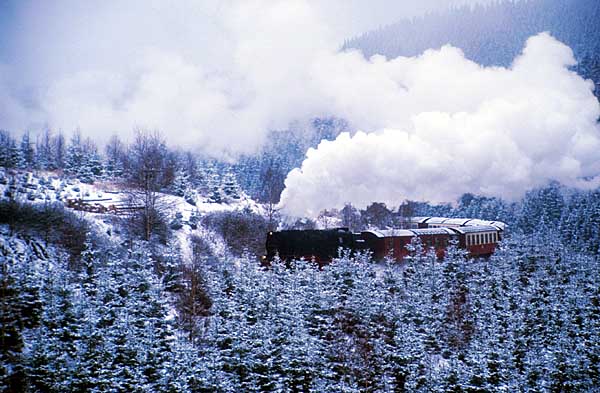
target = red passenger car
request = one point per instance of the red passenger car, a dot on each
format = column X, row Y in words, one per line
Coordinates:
column 388, row 243
column 393, row 242
column 478, row 240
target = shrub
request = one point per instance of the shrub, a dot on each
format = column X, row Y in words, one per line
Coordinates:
column 241, row 230
column 51, row 222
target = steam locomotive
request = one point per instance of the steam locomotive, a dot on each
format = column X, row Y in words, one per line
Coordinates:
column 477, row 237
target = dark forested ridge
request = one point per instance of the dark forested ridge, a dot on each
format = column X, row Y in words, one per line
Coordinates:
column 495, row 34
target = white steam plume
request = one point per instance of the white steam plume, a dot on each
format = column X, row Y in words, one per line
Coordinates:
column 210, row 74
column 451, row 126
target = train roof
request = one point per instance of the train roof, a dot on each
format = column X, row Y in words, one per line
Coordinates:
column 391, row 233
column 498, row 224
column 458, row 221
column 419, row 220
column 435, row 220
column 432, row 231
column 332, row 230
column 476, row 229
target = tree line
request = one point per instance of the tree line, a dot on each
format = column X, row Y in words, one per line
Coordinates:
column 527, row 319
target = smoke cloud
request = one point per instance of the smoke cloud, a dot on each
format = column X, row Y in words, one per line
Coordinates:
column 450, row 126
column 210, row 74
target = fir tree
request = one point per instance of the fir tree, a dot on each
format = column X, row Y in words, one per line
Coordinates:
column 74, row 159
column 181, row 183
column 230, row 187
column 27, row 151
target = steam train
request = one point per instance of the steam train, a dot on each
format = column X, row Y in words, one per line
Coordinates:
column 477, row 237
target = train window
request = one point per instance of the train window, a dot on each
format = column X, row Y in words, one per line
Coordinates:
column 494, row 239
column 486, row 238
column 478, row 241
column 468, row 240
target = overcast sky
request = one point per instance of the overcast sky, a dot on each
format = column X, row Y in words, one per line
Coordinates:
column 102, row 65
column 44, row 40
column 215, row 76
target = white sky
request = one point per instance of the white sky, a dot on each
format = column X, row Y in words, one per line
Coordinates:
column 49, row 38
column 217, row 75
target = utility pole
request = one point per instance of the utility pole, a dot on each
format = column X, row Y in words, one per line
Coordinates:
column 149, row 198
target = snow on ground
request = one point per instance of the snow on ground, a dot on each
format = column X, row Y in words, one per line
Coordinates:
column 39, row 187
column 48, row 186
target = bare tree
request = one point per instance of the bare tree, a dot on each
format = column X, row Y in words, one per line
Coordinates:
column 146, row 169
column 46, row 159
column 60, row 148
column 376, row 215
column 350, row 217
column 194, row 302
column 272, row 185
column 115, row 156
column 406, row 212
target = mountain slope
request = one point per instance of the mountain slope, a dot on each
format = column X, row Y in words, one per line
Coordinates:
column 495, row 34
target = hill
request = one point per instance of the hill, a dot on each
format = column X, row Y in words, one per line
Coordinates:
column 495, row 34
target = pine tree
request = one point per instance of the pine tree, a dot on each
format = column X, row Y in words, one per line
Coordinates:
column 181, row 183
column 74, row 159
column 27, row 151
column 20, row 309
column 230, row 187
column 10, row 155
column 114, row 153
column 215, row 195
column 45, row 151
column 54, row 352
